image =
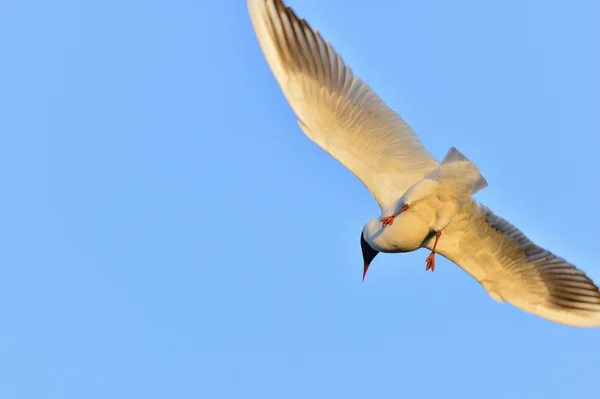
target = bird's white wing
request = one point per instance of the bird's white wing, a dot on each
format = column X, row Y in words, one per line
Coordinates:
column 335, row 108
column 511, row 267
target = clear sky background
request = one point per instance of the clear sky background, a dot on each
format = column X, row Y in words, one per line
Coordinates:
column 167, row 231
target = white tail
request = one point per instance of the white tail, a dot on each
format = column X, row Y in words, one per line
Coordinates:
column 459, row 174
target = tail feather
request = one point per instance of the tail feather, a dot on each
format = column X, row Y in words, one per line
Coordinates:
column 454, row 155
column 459, row 174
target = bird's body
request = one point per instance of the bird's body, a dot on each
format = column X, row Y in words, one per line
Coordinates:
column 410, row 230
column 433, row 202
column 423, row 203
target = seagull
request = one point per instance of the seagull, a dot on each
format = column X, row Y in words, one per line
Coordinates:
column 424, row 203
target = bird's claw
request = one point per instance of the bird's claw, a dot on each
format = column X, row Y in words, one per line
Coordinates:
column 430, row 262
column 387, row 221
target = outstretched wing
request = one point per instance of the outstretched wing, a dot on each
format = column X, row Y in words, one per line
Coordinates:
column 335, row 108
column 512, row 268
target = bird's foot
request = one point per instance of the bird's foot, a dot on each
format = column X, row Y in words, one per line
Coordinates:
column 387, row 221
column 430, row 262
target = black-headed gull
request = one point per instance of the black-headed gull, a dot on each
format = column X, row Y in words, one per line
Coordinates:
column 424, row 204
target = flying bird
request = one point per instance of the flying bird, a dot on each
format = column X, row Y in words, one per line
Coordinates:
column 424, row 203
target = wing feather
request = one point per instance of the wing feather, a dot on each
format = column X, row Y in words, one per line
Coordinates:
column 335, row 108
column 512, row 268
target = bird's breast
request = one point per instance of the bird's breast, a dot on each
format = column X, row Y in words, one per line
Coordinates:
column 406, row 234
column 414, row 226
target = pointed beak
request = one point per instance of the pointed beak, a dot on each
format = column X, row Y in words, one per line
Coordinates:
column 368, row 254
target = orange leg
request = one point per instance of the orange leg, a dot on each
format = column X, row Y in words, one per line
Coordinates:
column 431, row 258
column 389, row 220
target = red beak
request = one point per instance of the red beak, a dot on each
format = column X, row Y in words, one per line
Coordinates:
column 365, row 271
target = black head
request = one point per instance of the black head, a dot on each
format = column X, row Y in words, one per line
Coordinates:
column 368, row 254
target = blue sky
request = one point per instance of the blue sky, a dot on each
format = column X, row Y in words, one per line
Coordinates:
column 168, row 231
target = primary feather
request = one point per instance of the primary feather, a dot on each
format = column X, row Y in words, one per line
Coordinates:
column 514, row 269
column 335, row 108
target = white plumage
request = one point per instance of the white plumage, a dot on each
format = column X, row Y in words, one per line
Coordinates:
column 418, row 196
